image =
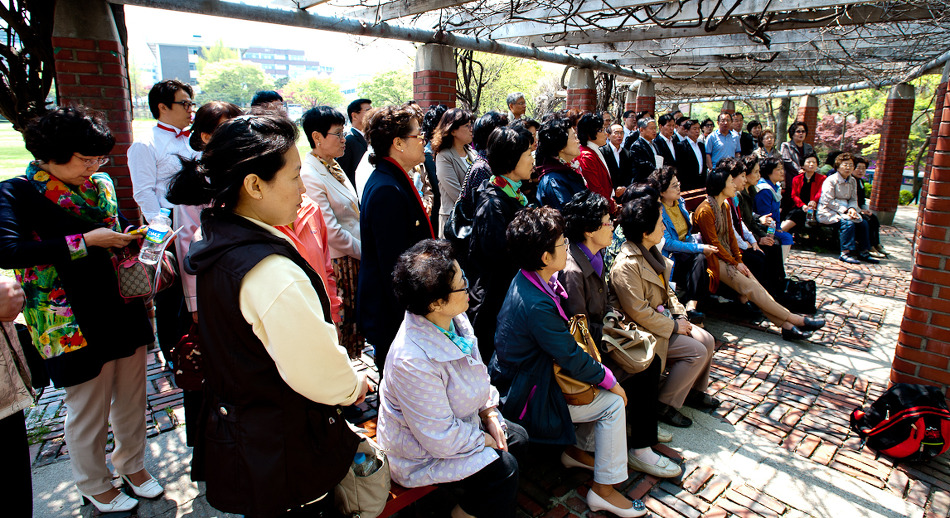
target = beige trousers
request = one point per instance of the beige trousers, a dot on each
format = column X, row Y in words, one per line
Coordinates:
column 116, row 395
column 750, row 287
column 688, row 360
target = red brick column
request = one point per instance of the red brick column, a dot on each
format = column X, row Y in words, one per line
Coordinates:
column 646, row 98
column 898, row 113
column 923, row 350
column 934, row 132
column 808, row 113
column 728, row 107
column 630, row 102
column 434, row 78
column 581, row 90
column 91, row 71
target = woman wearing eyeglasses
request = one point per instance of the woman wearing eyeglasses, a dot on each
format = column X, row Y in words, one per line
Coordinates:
column 438, row 417
column 794, row 152
column 59, row 225
column 328, row 186
column 454, row 157
column 392, row 219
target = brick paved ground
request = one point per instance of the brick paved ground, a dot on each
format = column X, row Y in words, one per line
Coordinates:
column 793, row 405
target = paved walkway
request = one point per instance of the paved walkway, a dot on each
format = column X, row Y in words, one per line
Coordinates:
column 778, row 446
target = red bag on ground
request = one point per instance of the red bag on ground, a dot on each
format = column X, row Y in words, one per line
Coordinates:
column 908, row 422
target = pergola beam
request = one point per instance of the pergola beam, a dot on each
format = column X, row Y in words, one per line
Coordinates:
column 857, row 15
column 689, row 11
column 355, row 27
column 386, row 11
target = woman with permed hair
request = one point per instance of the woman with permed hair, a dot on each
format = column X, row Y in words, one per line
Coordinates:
column 592, row 136
column 559, row 173
column 275, row 375
column 438, row 417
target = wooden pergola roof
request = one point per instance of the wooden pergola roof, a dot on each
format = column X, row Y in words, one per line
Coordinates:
column 688, row 47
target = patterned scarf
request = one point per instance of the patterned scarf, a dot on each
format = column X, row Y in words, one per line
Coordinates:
column 509, row 187
column 722, row 227
column 334, row 168
column 48, row 313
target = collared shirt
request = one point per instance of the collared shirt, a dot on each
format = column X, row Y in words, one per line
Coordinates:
column 616, row 151
column 627, row 132
column 153, row 160
column 669, row 144
column 721, row 146
column 696, row 151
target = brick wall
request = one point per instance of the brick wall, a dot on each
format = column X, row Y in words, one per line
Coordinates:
column 809, row 115
column 934, row 132
column 581, row 99
column 898, row 114
column 434, row 87
column 645, row 103
column 923, row 350
column 92, row 73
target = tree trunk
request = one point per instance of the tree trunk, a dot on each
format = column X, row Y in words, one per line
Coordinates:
column 781, row 125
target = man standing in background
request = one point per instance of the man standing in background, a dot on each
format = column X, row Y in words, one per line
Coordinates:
column 355, row 140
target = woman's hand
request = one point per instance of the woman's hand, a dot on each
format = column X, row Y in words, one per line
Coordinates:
column 364, row 388
column 12, row 299
column 683, row 327
column 812, row 204
column 766, row 220
column 710, row 249
column 493, row 428
column 106, row 238
column 766, row 241
column 617, row 389
column 489, row 440
column 744, row 270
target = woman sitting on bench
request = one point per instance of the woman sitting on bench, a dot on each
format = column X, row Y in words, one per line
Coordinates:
column 839, row 204
column 437, row 414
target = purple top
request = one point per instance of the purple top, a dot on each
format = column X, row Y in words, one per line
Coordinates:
column 596, row 260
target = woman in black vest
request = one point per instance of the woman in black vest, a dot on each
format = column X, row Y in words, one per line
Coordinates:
column 273, row 437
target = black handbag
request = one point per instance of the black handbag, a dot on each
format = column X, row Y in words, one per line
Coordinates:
column 800, row 296
column 458, row 228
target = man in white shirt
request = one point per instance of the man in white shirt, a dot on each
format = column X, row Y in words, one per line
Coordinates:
column 691, row 158
column 517, row 106
column 664, row 141
column 153, row 157
column 153, row 160
column 619, row 162
column 356, row 144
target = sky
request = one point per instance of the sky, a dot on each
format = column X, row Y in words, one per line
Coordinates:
column 349, row 55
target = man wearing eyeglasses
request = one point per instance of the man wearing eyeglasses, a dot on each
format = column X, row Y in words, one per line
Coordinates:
column 517, row 106
column 153, row 159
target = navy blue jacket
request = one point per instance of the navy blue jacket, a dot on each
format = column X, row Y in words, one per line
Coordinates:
column 391, row 221
column 559, row 183
column 531, row 336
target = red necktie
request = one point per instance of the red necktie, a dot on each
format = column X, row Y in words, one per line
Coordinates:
column 178, row 134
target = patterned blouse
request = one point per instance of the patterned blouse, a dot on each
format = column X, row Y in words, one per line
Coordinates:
column 430, row 399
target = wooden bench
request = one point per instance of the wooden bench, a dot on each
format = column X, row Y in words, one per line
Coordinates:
column 693, row 198
column 399, row 497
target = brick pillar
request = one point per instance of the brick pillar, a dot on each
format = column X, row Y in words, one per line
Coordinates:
column 728, row 107
column 646, row 98
column 630, row 102
column 898, row 113
column 433, row 81
column 808, row 113
column 91, row 71
column 581, row 90
column 934, row 132
column 923, row 350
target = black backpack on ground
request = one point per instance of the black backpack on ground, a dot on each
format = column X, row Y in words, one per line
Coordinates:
column 908, row 422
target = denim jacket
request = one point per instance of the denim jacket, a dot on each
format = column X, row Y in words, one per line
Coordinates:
column 673, row 242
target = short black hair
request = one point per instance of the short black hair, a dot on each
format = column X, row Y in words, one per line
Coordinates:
column 639, row 217
column 356, row 107
column 423, row 275
column 727, row 114
column 584, row 213
column 642, row 114
column 628, row 113
column 666, row 117
column 552, row 138
column 717, row 178
column 526, row 123
column 732, row 166
column 208, row 117
column 795, row 125
column 163, row 92
column 533, row 232
column 484, row 126
column 265, row 96
column 682, row 121
column 768, row 165
column 830, row 159
column 505, row 147
column 431, row 119
column 858, row 159
column 707, row 122
column 752, row 123
column 662, row 178
column 738, row 114
column 588, row 127
column 749, row 162
column 689, row 124
column 320, row 119
column 639, row 190
column 57, row 135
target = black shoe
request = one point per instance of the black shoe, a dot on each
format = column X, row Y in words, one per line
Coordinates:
column 695, row 317
column 812, row 324
column 794, row 334
column 672, row 416
column 866, row 257
column 701, row 400
column 848, row 259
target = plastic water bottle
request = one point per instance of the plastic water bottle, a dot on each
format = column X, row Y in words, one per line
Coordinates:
column 811, row 216
column 771, row 230
column 364, row 465
column 158, row 230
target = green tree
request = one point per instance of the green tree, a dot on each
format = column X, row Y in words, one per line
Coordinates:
column 215, row 53
column 233, row 81
column 314, row 91
column 485, row 80
column 385, row 88
column 26, row 59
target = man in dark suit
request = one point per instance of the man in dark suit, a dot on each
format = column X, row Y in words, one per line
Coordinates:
column 643, row 151
column 663, row 142
column 631, row 136
column 680, row 134
column 355, row 140
column 748, row 140
column 691, row 159
column 618, row 159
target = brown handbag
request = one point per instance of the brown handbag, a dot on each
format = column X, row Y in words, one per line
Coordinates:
column 632, row 348
column 578, row 392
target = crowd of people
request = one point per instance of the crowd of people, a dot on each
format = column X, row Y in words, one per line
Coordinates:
column 291, row 264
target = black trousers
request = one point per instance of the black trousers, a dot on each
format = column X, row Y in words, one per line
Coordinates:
column 16, row 492
column 874, row 229
column 798, row 216
column 690, row 275
column 171, row 316
column 492, row 491
column 643, row 391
